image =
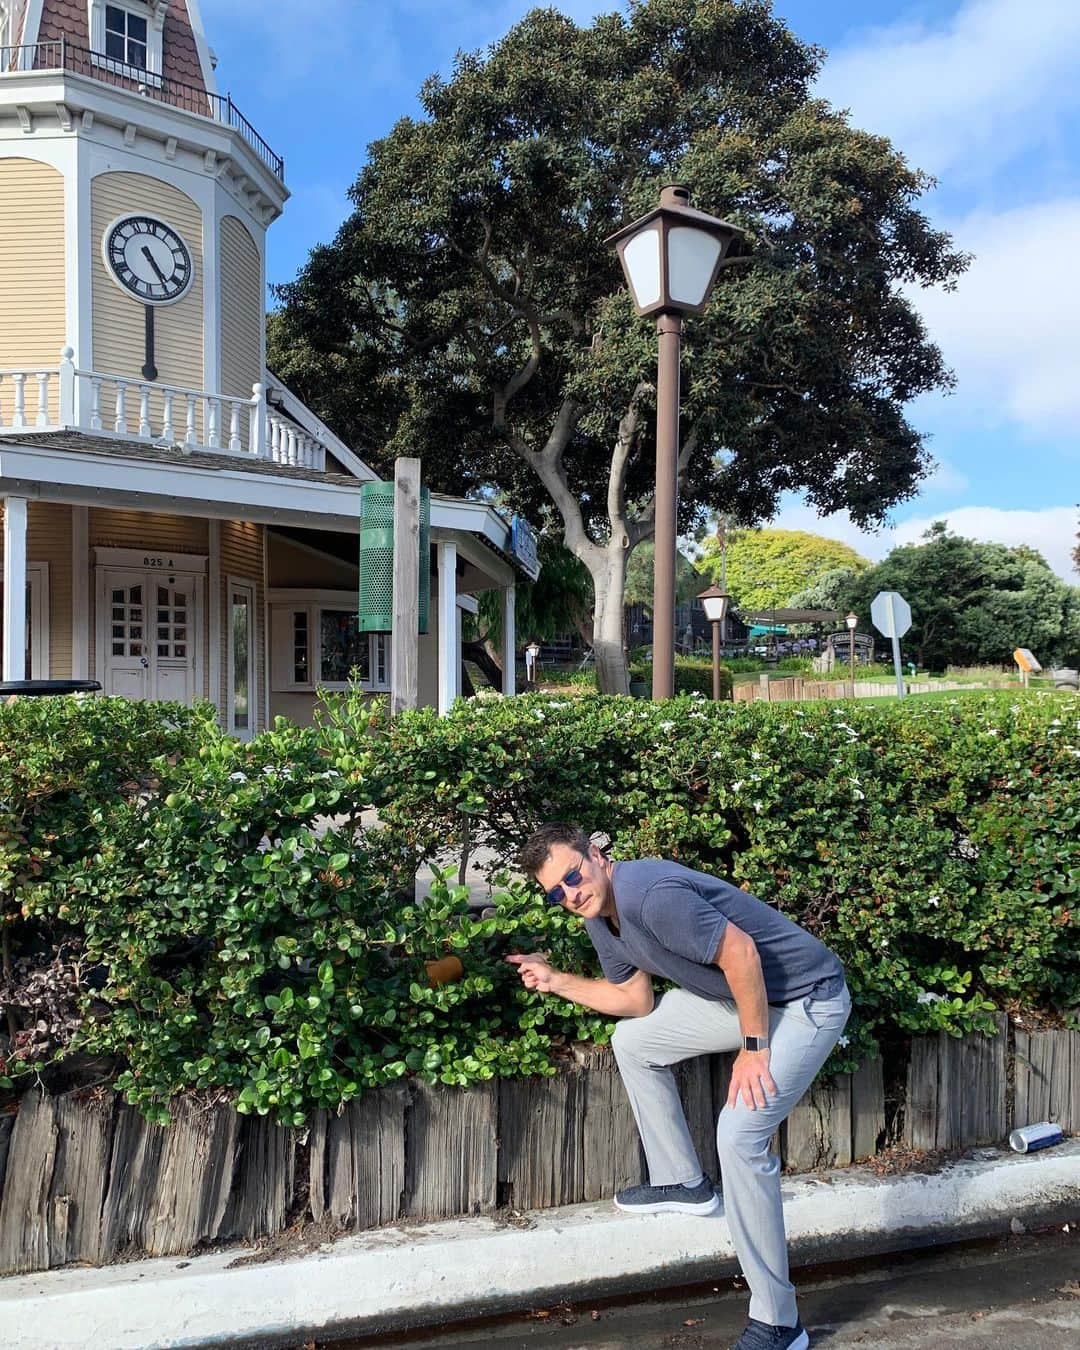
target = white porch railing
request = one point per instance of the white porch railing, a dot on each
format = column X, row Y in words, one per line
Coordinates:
column 159, row 414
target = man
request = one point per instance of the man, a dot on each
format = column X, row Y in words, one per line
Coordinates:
column 747, row 979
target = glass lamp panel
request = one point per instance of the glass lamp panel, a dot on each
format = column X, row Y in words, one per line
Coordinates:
column 692, row 255
column 641, row 260
column 715, row 606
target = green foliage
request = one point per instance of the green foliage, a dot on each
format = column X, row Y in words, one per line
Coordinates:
column 689, row 582
column 693, row 675
column 555, row 603
column 470, row 310
column 973, row 603
column 934, row 846
column 237, row 928
column 766, row 568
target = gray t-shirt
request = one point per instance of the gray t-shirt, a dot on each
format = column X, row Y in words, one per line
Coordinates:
column 670, row 923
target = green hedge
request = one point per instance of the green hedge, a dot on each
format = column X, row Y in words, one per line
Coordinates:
column 220, row 919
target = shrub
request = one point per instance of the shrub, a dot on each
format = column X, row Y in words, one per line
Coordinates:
column 234, row 936
column 237, row 928
column 935, row 847
column 693, row 675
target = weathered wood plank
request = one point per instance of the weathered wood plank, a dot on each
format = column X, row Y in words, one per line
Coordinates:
column 317, row 1167
column 980, row 1090
column 541, row 1146
column 7, row 1124
column 366, row 1160
column 817, row 1133
column 131, row 1195
column 84, row 1127
column 612, row 1157
column 451, row 1162
column 193, row 1179
column 867, row 1108
column 921, row 1105
column 265, row 1179
column 24, row 1214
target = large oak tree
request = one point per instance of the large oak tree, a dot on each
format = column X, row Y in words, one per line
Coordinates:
column 469, row 310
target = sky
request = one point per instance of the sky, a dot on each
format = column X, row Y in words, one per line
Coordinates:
column 982, row 94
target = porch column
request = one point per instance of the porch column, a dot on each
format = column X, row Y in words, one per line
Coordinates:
column 509, row 642
column 449, row 631
column 14, row 662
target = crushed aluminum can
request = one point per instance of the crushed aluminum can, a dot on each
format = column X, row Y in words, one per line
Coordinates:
column 1031, row 1137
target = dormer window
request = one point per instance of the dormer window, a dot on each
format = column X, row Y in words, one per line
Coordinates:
column 125, row 36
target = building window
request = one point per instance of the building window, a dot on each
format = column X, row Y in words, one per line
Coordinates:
column 125, row 36
column 322, row 645
column 241, row 671
column 37, row 620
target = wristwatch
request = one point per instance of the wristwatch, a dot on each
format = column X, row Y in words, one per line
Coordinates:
column 755, row 1042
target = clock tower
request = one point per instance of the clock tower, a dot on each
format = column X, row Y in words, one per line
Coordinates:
column 134, row 201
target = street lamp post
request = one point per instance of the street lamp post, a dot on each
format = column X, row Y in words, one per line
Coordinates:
column 670, row 257
column 852, row 621
column 715, row 602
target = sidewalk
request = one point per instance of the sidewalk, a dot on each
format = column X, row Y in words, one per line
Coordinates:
column 398, row 1277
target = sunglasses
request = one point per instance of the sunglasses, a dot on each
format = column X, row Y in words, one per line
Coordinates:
column 573, row 878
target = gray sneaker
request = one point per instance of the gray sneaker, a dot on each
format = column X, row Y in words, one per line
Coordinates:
column 762, row 1336
column 699, row 1199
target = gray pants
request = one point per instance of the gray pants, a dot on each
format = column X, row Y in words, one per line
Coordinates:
column 801, row 1035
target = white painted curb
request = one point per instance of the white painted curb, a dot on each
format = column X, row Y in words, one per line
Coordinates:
column 396, row 1277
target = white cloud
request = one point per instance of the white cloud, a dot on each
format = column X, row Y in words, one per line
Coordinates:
column 1011, row 329
column 968, row 94
column 1052, row 531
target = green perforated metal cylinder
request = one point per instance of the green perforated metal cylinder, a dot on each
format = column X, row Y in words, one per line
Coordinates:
column 377, row 558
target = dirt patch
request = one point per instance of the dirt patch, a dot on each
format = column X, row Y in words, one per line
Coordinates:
column 299, row 1239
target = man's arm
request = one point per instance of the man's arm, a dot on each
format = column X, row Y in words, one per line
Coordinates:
column 737, row 956
column 632, row 998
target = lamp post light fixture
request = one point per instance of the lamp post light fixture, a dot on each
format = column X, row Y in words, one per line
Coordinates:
column 852, row 621
column 670, row 257
column 715, row 602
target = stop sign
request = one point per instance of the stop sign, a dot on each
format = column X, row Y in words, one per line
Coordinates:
column 891, row 614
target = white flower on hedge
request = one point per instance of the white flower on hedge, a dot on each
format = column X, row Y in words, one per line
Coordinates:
column 933, row 900
column 736, row 787
column 759, row 807
column 844, row 1042
column 238, row 777
column 755, row 754
column 927, row 997
column 667, row 726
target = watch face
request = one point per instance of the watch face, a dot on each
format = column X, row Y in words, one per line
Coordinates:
column 149, row 259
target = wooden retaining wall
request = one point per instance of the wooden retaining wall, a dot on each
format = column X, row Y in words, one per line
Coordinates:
column 776, row 689
column 83, row 1178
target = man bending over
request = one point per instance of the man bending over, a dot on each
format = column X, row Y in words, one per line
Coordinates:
column 747, row 979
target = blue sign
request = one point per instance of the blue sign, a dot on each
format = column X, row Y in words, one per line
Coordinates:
column 523, row 546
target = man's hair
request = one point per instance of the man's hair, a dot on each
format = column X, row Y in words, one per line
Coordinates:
column 539, row 844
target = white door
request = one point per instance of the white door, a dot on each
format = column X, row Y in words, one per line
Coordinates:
column 150, row 635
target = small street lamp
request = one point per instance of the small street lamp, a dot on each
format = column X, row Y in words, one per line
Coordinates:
column 715, row 601
column 852, row 621
column 670, row 257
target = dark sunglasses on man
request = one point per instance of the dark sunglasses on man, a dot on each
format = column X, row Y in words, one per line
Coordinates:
column 573, row 878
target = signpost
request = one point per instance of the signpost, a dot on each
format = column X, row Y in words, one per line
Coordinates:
column 891, row 614
column 1028, row 664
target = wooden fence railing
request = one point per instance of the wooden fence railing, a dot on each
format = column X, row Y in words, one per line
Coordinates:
column 85, row 1178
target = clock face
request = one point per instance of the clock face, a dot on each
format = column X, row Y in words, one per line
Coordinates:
column 149, row 259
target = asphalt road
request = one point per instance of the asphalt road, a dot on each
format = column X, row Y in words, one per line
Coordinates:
column 1014, row 1293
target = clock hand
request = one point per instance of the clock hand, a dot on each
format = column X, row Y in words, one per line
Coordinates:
column 153, row 263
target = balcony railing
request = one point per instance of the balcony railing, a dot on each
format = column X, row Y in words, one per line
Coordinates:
column 65, row 398
column 64, row 55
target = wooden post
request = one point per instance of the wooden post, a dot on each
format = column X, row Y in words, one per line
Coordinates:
column 14, row 642
column 404, row 647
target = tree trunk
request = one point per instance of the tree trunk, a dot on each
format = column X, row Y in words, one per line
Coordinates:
column 478, row 654
column 609, row 585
